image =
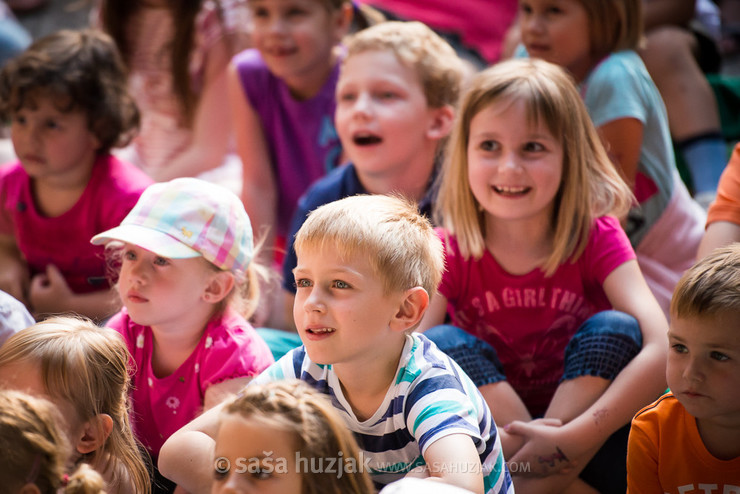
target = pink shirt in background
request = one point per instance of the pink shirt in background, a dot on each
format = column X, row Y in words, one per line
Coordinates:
column 64, row 241
column 228, row 349
column 530, row 319
column 481, row 24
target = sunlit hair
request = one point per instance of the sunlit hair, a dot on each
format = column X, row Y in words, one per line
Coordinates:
column 35, row 449
column 87, row 366
column 614, row 25
column 710, row 287
column 319, row 431
column 415, row 45
column 590, row 187
column 79, row 71
column 400, row 244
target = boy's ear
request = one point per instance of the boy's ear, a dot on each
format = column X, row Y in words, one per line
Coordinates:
column 440, row 122
column 219, row 287
column 411, row 310
column 94, row 434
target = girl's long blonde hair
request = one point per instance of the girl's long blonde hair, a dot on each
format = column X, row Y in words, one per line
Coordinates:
column 88, row 366
column 293, row 406
column 590, row 187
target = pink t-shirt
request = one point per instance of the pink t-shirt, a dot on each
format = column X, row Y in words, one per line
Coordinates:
column 530, row 319
column 229, row 348
column 64, row 241
column 481, row 24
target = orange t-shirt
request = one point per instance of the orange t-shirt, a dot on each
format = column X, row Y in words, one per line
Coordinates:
column 727, row 205
column 665, row 454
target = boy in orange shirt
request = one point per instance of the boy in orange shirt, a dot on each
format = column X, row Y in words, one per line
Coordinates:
column 689, row 439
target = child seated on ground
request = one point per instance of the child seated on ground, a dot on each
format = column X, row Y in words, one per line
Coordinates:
column 366, row 268
column 35, row 451
column 188, row 283
column 69, row 106
column 83, row 369
column 397, row 86
column 689, row 439
column 294, row 437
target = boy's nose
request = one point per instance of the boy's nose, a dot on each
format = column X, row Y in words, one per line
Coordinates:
column 362, row 106
column 314, row 302
column 531, row 23
column 693, row 371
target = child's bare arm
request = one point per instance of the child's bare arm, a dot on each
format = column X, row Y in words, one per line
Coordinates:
column 186, row 457
column 622, row 139
column 454, row 460
column 259, row 190
column 14, row 277
column 718, row 234
column 218, row 393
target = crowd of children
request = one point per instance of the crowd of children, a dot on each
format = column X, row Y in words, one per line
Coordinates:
column 490, row 275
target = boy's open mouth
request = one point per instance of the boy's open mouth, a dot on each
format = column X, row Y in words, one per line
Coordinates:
column 320, row 330
column 366, row 139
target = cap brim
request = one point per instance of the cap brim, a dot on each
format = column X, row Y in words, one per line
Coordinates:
column 147, row 238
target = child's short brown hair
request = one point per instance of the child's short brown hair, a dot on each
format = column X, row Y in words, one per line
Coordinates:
column 439, row 68
column 80, row 70
column 710, row 287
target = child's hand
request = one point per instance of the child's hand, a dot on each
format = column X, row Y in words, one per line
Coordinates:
column 14, row 280
column 544, row 448
column 49, row 291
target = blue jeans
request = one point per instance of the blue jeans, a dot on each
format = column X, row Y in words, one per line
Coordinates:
column 602, row 346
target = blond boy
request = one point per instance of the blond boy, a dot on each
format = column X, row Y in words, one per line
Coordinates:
column 689, row 439
column 395, row 104
column 366, row 267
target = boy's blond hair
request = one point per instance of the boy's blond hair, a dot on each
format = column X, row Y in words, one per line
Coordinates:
column 400, row 244
column 710, row 287
column 415, row 45
column 590, row 185
column 615, row 25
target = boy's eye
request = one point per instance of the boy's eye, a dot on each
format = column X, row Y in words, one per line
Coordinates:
column 348, row 97
column 295, row 12
column 386, row 95
column 51, row 124
column 129, row 255
column 523, row 7
column 21, row 119
column 302, row 283
column 679, row 348
column 262, row 473
column 220, row 474
column 342, row 285
column 260, row 12
column 718, row 356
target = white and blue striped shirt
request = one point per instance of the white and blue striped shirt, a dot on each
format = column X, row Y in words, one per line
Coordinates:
column 430, row 398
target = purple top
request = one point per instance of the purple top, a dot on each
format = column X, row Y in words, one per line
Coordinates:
column 301, row 138
column 64, row 240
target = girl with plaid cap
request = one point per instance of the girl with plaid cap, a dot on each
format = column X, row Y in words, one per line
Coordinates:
column 187, row 284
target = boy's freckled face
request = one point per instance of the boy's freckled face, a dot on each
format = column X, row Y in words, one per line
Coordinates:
column 382, row 114
column 53, row 146
column 341, row 311
column 703, row 368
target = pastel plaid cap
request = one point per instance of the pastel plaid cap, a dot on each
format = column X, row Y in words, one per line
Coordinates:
column 186, row 218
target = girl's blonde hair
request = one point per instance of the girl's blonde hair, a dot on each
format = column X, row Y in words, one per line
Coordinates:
column 614, row 25
column 35, row 450
column 87, row 366
column 293, row 406
column 590, row 187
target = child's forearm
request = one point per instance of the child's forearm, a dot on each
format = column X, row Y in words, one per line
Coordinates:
column 639, row 384
column 186, row 458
